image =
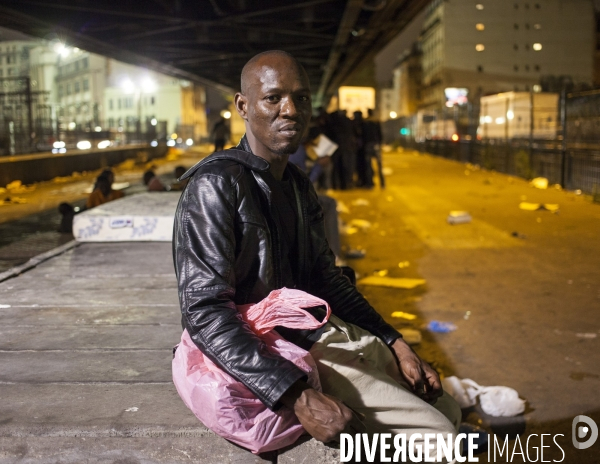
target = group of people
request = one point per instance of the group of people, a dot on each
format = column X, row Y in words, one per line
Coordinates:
column 359, row 144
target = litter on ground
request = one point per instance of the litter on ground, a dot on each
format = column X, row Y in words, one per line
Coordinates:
column 441, row 327
column 392, row 282
column 526, row 206
column 403, row 315
column 348, row 230
column 539, row 183
column 403, row 264
column 360, row 202
column 341, row 207
column 459, row 217
column 361, row 224
column 355, row 254
column 411, row 336
column 381, row 273
column 586, row 335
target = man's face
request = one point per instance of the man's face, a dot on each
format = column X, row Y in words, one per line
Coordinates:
column 276, row 107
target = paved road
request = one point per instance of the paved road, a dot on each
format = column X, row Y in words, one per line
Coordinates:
column 533, row 298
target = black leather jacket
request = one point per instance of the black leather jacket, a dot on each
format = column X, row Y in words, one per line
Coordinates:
column 226, row 249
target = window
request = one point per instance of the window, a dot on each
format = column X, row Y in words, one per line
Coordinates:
column 480, row 26
column 152, row 100
column 537, row 47
column 526, row 47
column 110, row 106
column 11, row 71
column 479, row 6
column 68, row 89
column 77, row 66
column 84, row 63
column 86, row 85
column 10, row 59
column 516, row 6
column 76, row 87
column 537, row 26
column 119, row 103
column 527, row 6
column 527, row 67
column 111, row 121
column 527, row 26
column 60, row 91
column 480, row 47
column 537, row 6
column 1, row 73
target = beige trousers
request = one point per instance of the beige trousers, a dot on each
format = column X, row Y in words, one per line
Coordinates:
column 358, row 368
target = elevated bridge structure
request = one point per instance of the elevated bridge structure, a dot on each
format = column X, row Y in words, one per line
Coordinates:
column 208, row 41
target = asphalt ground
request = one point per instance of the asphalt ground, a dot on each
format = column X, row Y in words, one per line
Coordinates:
column 522, row 287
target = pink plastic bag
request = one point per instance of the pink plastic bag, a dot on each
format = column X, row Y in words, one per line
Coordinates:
column 225, row 405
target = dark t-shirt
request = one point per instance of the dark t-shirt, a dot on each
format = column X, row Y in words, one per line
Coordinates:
column 284, row 211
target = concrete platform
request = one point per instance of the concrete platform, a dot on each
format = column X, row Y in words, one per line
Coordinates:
column 86, row 343
column 115, row 222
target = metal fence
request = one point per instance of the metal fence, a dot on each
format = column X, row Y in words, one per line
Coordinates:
column 571, row 159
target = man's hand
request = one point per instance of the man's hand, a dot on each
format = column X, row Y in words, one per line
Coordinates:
column 323, row 416
column 423, row 380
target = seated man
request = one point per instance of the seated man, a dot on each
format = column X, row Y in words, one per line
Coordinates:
column 249, row 222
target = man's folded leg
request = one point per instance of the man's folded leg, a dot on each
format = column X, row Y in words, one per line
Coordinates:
column 358, row 368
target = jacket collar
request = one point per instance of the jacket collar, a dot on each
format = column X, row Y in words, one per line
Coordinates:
column 241, row 154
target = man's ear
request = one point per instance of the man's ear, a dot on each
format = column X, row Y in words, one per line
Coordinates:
column 241, row 105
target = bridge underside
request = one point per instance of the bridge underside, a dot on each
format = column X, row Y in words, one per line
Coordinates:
column 209, row 41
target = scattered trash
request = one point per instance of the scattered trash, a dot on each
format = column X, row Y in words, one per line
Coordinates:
column 441, row 327
column 578, row 192
column 381, row 273
column 403, row 264
column 341, row 207
column 467, row 315
column 495, row 401
column 539, row 183
column 355, row 254
column 387, row 171
column 362, row 224
column 13, row 201
column 403, row 315
column 552, row 207
column 133, row 409
column 518, row 235
column 4, row 306
column 348, row 230
column 459, row 217
column 557, row 186
column 393, row 282
column 411, row 336
column 586, row 335
column 360, row 202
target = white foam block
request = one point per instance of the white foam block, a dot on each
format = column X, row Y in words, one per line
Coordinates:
column 145, row 217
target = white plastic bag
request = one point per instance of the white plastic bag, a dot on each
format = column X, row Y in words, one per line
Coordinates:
column 495, row 401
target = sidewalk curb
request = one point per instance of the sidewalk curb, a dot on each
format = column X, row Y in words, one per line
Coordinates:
column 33, row 262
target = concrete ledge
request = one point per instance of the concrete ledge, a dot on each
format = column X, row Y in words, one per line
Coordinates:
column 46, row 166
column 146, row 217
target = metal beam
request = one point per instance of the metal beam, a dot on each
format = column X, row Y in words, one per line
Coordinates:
column 36, row 27
column 351, row 12
column 383, row 26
